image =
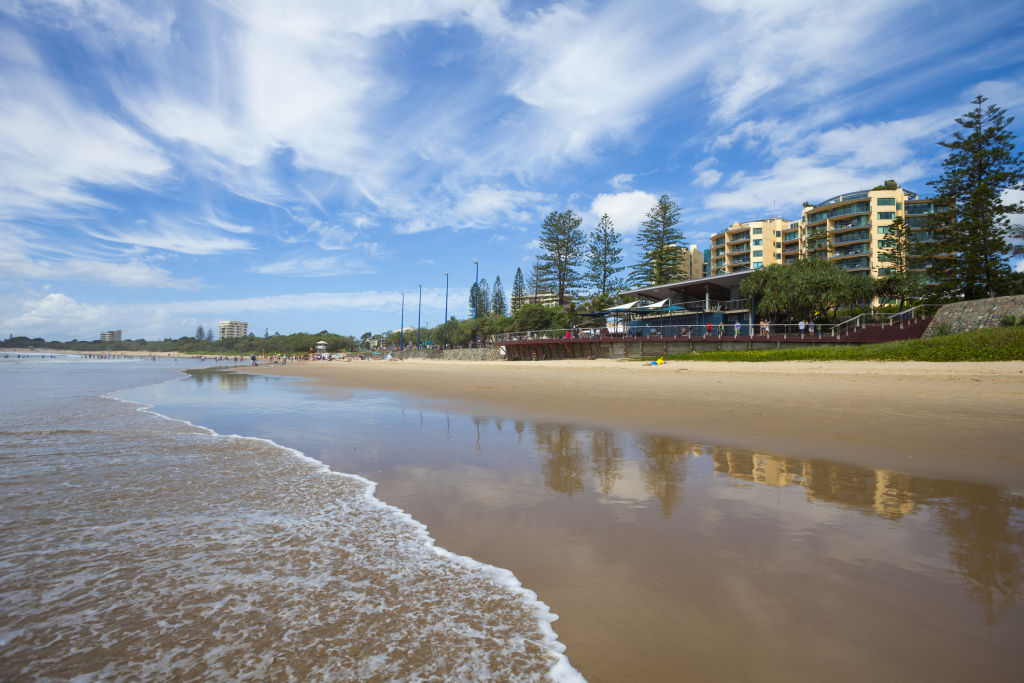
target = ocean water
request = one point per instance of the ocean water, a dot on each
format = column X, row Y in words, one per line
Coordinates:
column 140, row 547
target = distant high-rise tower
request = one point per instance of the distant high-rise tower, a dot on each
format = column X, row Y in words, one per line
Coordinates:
column 233, row 329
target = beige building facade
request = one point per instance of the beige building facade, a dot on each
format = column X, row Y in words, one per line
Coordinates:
column 849, row 229
column 233, row 329
column 747, row 246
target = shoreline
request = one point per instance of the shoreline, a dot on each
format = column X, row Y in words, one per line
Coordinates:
column 943, row 420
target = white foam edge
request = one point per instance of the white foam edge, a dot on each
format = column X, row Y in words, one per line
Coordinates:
column 561, row 670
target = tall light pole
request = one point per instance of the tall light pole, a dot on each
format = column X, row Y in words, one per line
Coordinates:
column 401, row 329
column 419, row 308
column 446, row 297
column 476, row 290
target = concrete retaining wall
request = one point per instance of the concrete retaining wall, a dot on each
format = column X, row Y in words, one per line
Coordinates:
column 452, row 354
column 639, row 348
column 972, row 315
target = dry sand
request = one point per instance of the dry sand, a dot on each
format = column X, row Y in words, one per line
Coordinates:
column 950, row 420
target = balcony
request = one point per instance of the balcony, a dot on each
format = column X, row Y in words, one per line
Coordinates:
column 848, row 238
column 741, row 250
column 862, row 263
column 858, row 222
column 795, row 249
column 742, row 259
column 855, row 251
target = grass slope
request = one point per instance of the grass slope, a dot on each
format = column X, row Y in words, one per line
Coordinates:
column 999, row 343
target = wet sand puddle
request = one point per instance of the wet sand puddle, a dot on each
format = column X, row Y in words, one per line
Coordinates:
column 140, row 548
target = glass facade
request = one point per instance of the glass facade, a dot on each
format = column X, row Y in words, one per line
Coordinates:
column 856, row 207
column 886, row 215
column 887, row 201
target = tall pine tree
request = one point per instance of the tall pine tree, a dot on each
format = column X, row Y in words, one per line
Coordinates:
column 604, row 259
column 518, row 290
column 539, row 280
column 485, row 297
column 562, row 241
column 659, row 241
column 498, row 305
column 970, row 254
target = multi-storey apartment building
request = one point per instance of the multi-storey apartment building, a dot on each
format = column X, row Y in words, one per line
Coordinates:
column 233, row 329
column 691, row 262
column 747, row 246
column 850, row 229
column 111, row 336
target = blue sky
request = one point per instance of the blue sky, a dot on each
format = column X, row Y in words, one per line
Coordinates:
column 169, row 165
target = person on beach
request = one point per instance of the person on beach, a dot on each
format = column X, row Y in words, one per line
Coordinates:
column 253, row 358
column 737, row 327
column 803, row 327
column 708, row 330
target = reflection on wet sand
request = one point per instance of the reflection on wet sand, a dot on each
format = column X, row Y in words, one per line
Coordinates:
column 983, row 525
column 660, row 555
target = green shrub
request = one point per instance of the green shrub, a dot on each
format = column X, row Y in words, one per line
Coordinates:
column 1010, row 320
column 991, row 344
column 944, row 329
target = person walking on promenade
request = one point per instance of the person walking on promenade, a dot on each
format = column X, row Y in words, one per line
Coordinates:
column 803, row 328
column 737, row 328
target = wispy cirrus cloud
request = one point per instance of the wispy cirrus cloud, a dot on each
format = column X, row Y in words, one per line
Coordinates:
column 26, row 256
column 55, row 149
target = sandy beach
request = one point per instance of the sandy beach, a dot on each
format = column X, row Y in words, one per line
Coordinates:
column 948, row 420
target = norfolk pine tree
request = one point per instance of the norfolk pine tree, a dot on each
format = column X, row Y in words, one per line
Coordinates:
column 658, row 241
column 539, row 280
column 498, row 306
column 902, row 282
column 604, row 256
column 975, row 229
column 562, row 241
column 518, row 290
column 485, row 297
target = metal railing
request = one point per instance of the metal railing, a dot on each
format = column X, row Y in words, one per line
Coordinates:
column 848, row 326
column 745, row 331
column 908, row 315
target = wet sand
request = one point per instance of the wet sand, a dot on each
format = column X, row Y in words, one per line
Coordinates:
column 811, row 521
column 961, row 421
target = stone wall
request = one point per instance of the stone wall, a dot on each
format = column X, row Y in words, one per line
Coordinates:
column 971, row 315
column 452, row 354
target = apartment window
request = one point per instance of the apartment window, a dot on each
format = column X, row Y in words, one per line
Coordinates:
column 756, row 264
column 757, row 231
column 899, row 206
column 778, row 255
column 756, row 254
column 886, row 215
column 778, row 245
column 884, row 244
column 757, row 243
column 887, row 201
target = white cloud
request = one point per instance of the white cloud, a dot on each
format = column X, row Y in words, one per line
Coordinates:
column 173, row 235
column 327, row 266
column 626, row 209
column 621, row 181
column 26, row 257
column 53, row 146
column 484, row 206
column 707, row 178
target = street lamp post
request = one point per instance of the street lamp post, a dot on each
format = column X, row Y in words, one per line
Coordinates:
column 401, row 329
column 419, row 309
